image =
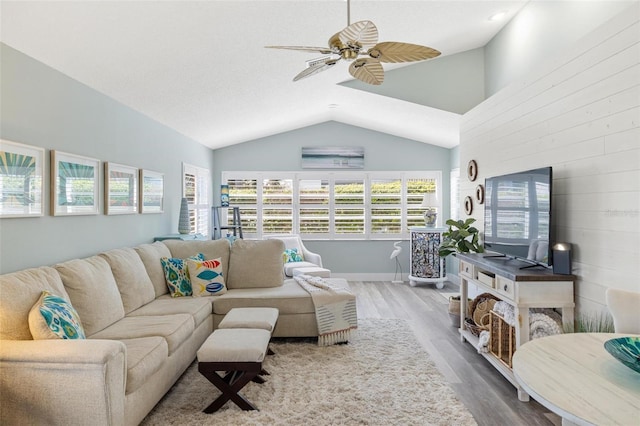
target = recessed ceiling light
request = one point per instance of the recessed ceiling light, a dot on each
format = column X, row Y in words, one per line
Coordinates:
column 333, row 106
column 498, row 16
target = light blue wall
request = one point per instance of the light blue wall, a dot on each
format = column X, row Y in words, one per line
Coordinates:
column 383, row 152
column 542, row 30
column 453, row 83
column 44, row 108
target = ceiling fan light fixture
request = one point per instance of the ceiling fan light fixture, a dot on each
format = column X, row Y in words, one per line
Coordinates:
column 358, row 44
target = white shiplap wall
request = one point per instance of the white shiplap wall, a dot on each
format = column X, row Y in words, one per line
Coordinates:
column 580, row 114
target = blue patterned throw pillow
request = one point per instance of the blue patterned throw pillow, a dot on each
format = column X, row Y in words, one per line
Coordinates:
column 175, row 272
column 53, row 317
column 292, row 255
column 206, row 277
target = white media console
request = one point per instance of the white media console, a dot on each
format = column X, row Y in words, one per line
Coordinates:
column 521, row 288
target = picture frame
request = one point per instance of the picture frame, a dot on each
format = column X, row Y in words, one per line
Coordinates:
column 21, row 180
column 120, row 189
column 333, row 157
column 75, row 184
column 151, row 192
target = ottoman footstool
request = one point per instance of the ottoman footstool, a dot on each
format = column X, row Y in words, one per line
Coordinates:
column 256, row 318
column 314, row 271
column 240, row 353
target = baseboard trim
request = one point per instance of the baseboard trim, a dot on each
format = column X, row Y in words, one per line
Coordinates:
column 358, row 276
column 384, row 276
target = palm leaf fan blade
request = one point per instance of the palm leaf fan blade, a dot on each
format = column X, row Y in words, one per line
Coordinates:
column 363, row 32
column 393, row 52
column 368, row 71
column 323, row 50
column 315, row 69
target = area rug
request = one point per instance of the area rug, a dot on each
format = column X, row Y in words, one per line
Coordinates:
column 381, row 377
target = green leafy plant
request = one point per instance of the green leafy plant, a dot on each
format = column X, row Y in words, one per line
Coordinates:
column 461, row 237
column 591, row 322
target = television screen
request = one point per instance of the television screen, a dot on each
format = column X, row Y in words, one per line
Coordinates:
column 517, row 215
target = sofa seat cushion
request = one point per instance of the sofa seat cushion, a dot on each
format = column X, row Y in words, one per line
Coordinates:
column 200, row 308
column 150, row 255
column 289, row 298
column 145, row 356
column 131, row 276
column 255, row 264
column 175, row 329
column 93, row 292
column 19, row 291
column 290, row 266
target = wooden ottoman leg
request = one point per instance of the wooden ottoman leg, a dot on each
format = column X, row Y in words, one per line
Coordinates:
column 230, row 385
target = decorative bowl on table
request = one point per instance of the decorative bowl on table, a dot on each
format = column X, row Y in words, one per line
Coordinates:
column 626, row 350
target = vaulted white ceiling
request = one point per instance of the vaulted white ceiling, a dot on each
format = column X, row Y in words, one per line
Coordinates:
column 200, row 67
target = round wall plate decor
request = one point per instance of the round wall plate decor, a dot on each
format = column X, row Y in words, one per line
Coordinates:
column 480, row 194
column 472, row 170
column 468, row 205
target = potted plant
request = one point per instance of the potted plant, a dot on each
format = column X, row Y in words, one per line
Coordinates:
column 461, row 237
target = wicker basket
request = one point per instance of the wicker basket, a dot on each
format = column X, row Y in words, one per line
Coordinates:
column 480, row 298
column 454, row 310
column 477, row 320
column 503, row 339
column 474, row 328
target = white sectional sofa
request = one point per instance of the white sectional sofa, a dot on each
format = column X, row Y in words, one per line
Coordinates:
column 139, row 338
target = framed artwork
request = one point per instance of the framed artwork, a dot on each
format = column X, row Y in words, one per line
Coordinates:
column 21, row 180
column 333, row 157
column 151, row 192
column 75, row 184
column 120, row 189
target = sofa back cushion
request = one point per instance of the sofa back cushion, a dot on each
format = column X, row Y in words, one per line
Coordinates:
column 131, row 278
column 19, row 291
column 212, row 249
column 93, row 292
column 255, row 264
column 150, row 255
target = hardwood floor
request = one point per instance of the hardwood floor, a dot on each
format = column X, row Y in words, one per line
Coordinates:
column 486, row 393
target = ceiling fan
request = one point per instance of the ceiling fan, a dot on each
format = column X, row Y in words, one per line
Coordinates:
column 358, row 44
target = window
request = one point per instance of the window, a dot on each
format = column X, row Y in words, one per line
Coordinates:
column 454, row 200
column 277, row 206
column 195, row 188
column 330, row 205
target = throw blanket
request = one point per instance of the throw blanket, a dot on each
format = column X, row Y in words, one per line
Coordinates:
column 335, row 309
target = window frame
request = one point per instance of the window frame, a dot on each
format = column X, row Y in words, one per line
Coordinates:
column 366, row 176
column 200, row 222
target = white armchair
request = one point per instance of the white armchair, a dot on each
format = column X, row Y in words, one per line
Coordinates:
column 294, row 241
column 625, row 310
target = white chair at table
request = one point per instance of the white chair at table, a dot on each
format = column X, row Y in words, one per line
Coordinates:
column 295, row 242
column 625, row 309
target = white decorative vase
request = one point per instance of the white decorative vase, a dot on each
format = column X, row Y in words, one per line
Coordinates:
column 430, row 217
column 184, row 226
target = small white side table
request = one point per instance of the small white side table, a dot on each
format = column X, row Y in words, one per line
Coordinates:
column 426, row 266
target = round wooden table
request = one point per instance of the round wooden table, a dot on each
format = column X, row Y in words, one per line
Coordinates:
column 575, row 377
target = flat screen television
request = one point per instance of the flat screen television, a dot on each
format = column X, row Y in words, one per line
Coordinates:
column 517, row 216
